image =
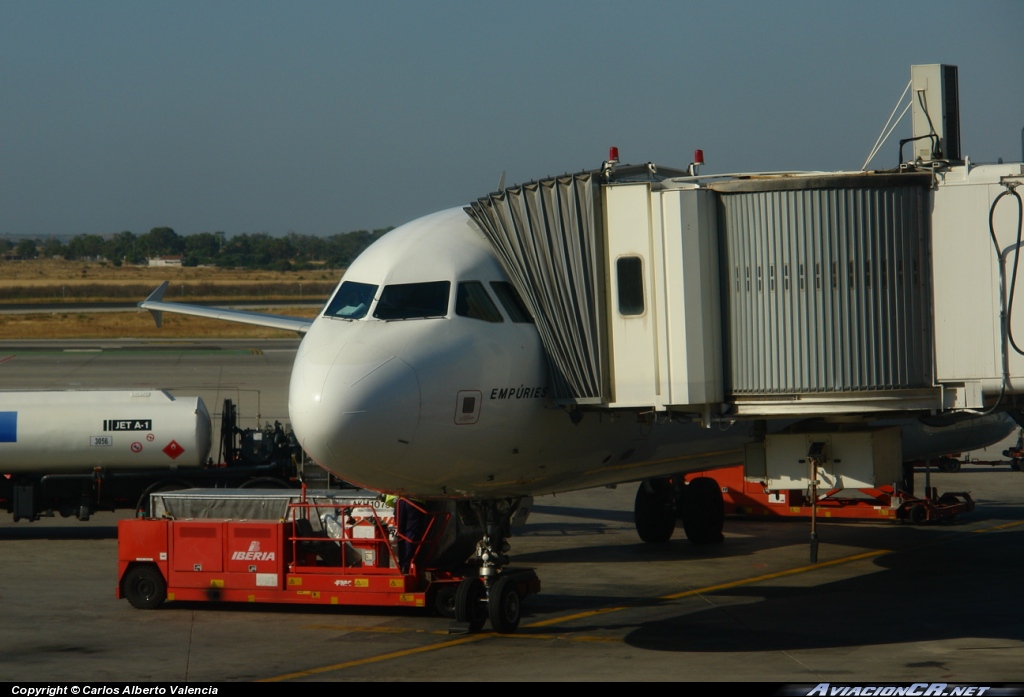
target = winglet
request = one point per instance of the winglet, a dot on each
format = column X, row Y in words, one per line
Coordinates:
column 157, row 296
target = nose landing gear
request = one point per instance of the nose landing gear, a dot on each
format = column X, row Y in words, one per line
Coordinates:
column 497, row 591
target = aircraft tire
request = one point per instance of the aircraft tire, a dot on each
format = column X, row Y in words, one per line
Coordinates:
column 145, row 588
column 654, row 513
column 504, row 606
column 703, row 511
column 470, row 607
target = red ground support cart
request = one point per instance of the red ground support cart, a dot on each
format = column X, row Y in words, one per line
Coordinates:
column 327, row 548
column 748, row 496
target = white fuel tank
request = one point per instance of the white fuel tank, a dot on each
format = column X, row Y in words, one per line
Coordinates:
column 68, row 431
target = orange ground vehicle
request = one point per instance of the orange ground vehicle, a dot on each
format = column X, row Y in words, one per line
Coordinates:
column 330, row 548
column 748, row 496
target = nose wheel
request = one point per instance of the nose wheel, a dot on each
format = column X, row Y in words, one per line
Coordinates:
column 504, row 606
column 502, row 603
column 471, row 604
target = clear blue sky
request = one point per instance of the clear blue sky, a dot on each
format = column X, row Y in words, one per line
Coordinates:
column 324, row 117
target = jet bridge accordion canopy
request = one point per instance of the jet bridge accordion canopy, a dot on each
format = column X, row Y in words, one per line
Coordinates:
column 546, row 236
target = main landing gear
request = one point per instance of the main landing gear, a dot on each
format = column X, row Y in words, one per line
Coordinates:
column 497, row 591
column 661, row 501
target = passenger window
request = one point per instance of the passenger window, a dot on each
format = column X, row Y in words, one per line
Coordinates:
column 413, row 300
column 351, row 301
column 510, row 300
column 631, row 285
column 472, row 301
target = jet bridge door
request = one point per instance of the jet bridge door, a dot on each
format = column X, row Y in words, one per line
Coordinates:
column 664, row 318
column 636, row 365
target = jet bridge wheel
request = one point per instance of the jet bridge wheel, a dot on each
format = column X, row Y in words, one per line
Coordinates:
column 703, row 511
column 470, row 603
column 654, row 511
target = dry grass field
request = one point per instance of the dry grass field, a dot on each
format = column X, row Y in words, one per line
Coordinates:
column 136, row 325
column 53, row 281
column 76, row 281
column 48, row 271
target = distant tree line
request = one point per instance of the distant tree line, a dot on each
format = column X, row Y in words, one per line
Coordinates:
column 255, row 251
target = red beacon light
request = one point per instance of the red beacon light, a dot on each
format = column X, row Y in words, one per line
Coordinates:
column 609, row 165
column 698, row 160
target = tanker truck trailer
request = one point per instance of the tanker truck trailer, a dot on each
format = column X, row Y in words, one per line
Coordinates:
column 78, row 452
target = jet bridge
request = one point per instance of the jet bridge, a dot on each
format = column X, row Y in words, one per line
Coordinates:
column 774, row 295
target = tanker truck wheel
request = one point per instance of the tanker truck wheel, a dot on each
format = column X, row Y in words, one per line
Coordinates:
column 145, row 588
column 142, row 507
column 265, row 483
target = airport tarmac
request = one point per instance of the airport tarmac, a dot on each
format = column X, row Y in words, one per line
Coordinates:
column 885, row 602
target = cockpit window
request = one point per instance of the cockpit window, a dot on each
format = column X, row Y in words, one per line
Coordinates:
column 510, row 300
column 413, row 300
column 472, row 300
column 351, row 301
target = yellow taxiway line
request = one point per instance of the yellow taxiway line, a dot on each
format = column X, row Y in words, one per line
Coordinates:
column 582, row 615
column 565, row 618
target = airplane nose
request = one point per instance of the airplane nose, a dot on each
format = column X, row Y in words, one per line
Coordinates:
column 354, row 409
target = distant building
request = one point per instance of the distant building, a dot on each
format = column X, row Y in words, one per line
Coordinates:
column 165, row 261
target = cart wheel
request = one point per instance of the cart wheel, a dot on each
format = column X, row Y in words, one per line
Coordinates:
column 444, row 601
column 918, row 514
column 1015, row 464
column 469, row 603
column 145, row 588
column 504, row 606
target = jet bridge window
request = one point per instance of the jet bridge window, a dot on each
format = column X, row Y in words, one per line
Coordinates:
column 351, row 301
column 629, row 271
column 510, row 300
column 413, row 300
column 472, row 300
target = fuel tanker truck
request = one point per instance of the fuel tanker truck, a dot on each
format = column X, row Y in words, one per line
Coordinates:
column 78, row 452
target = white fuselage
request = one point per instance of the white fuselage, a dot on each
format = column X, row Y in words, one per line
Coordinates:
column 407, row 385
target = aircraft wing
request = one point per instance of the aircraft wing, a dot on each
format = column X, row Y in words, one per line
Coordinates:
column 156, row 306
